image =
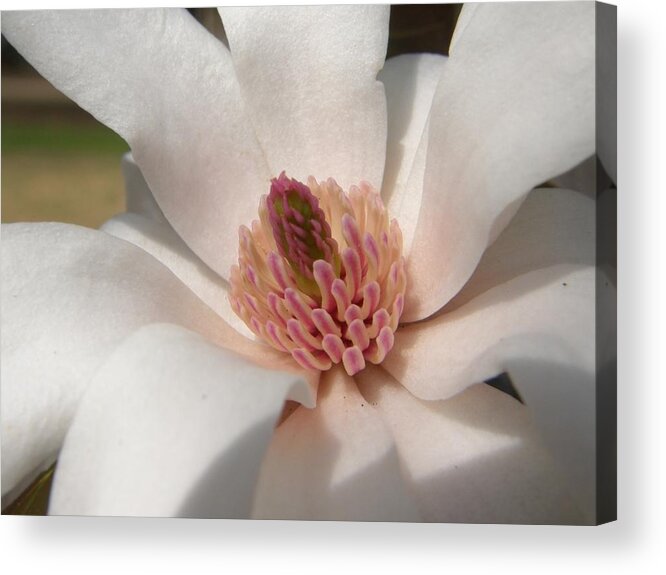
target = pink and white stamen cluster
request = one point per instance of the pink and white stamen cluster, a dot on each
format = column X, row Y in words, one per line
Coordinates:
column 321, row 274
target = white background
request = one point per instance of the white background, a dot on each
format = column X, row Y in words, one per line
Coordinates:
column 633, row 544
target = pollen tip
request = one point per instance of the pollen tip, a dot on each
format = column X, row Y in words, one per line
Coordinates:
column 353, row 360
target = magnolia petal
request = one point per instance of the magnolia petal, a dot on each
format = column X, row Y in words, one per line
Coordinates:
column 564, row 396
column 475, row 458
column 552, row 227
column 462, row 346
column 514, row 107
column 553, row 232
column 69, row 296
column 335, row 462
column 443, row 356
column 171, row 425
column 537, row 278
column 561, row 396
column 188, row 128
column 165, row 245
column 308, row 76
column 410, row 81
column 138, row 197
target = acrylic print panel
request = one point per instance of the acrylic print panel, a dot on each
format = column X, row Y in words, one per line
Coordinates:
column 364, row 269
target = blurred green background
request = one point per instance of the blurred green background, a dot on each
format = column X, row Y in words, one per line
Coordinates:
column 60, row 164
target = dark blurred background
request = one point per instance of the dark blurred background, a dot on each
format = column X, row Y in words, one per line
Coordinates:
column 59, row 163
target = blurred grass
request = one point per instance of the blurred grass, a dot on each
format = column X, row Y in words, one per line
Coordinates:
column 54, row 171
column 35, row 499
column 61, row 138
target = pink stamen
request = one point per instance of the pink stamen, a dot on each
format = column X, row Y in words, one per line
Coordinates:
column 274, row 334
column 371, row 295
column 353, row 360
column 352, row 234
column 380, row 319
column 301, row 337
column 334, row 347
column 321, row 274
column 371, row 250
column 308, row 360
column 325, row 276
column 324, row 322
column 353, row 312
column 278, row 270
column 352, row 263
column 298, row 307
column 357, row 333
column 341, row 297
column 278, row 308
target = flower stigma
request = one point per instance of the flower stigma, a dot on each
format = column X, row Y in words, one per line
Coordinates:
column 320, row 274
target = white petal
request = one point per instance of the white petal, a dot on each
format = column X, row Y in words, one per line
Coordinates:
column 70, row 295
column 475, row 458
column 552, row 227
column 410, row 81
column 514, row 107
column 138, row 197
column 569, row 402
column 170, row 426
column 529, row 310
column 168, row 87
column 561, row 396
column 535, row 280
column 335, row 462
column 163, row 243
column 308, row 76
column 145, row 226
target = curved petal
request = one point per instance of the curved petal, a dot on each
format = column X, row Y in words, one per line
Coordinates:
column 475, row 458
column 335, row 462
column 70, row 295
column 529, row 310
column 440, row 358
column 552, row 227
column 562, row 398
column 308, row 76
column 537, row 279
column 565, row 397
column 410, row 81
column 168, row 87
column 146, row 227
column 513, row 108
column 165, row 245
column 170, row 426
column 139, row 199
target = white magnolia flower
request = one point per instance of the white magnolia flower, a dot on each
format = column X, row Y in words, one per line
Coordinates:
column 122, row 342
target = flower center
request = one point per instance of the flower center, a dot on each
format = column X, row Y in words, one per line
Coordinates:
column 300, row 230
column 321, row 275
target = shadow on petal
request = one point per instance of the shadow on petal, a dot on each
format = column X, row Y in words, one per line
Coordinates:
column 335, row 462
column 502, row 487
column 226, row 488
